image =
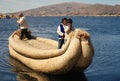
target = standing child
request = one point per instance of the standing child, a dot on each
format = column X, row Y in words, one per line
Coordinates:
column 69, row 28
column 61, row 32
column 23, row 26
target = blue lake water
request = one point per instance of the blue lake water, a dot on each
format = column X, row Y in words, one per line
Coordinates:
column 105, row 36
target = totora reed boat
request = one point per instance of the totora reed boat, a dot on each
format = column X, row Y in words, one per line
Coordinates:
column 41, row 54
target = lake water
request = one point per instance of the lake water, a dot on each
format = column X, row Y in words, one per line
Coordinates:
column 105, row 36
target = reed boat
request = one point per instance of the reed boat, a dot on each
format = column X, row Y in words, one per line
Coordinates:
column 22, row 72
column 41, row 54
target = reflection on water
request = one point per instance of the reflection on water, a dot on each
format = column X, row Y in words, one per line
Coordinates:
column 26, row 74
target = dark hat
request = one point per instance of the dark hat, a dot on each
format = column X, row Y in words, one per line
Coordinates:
column 21, row 15
column 69, row 20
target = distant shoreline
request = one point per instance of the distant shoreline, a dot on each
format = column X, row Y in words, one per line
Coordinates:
column 5, row 16
column 69, row 16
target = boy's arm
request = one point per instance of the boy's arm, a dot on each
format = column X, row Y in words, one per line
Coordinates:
column 59, row 31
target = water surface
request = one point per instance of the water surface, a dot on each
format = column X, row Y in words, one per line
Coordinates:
column 105, row 36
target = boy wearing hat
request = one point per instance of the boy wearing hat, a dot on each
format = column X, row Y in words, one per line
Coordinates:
column 69, row 28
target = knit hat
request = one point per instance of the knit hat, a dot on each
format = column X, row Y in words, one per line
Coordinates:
column 69, row 20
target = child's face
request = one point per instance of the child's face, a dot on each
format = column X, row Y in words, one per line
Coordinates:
column 65, row 22
column 69, row 24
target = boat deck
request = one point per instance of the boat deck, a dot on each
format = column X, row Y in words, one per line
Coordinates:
column 40, row 44
column 37, row 43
